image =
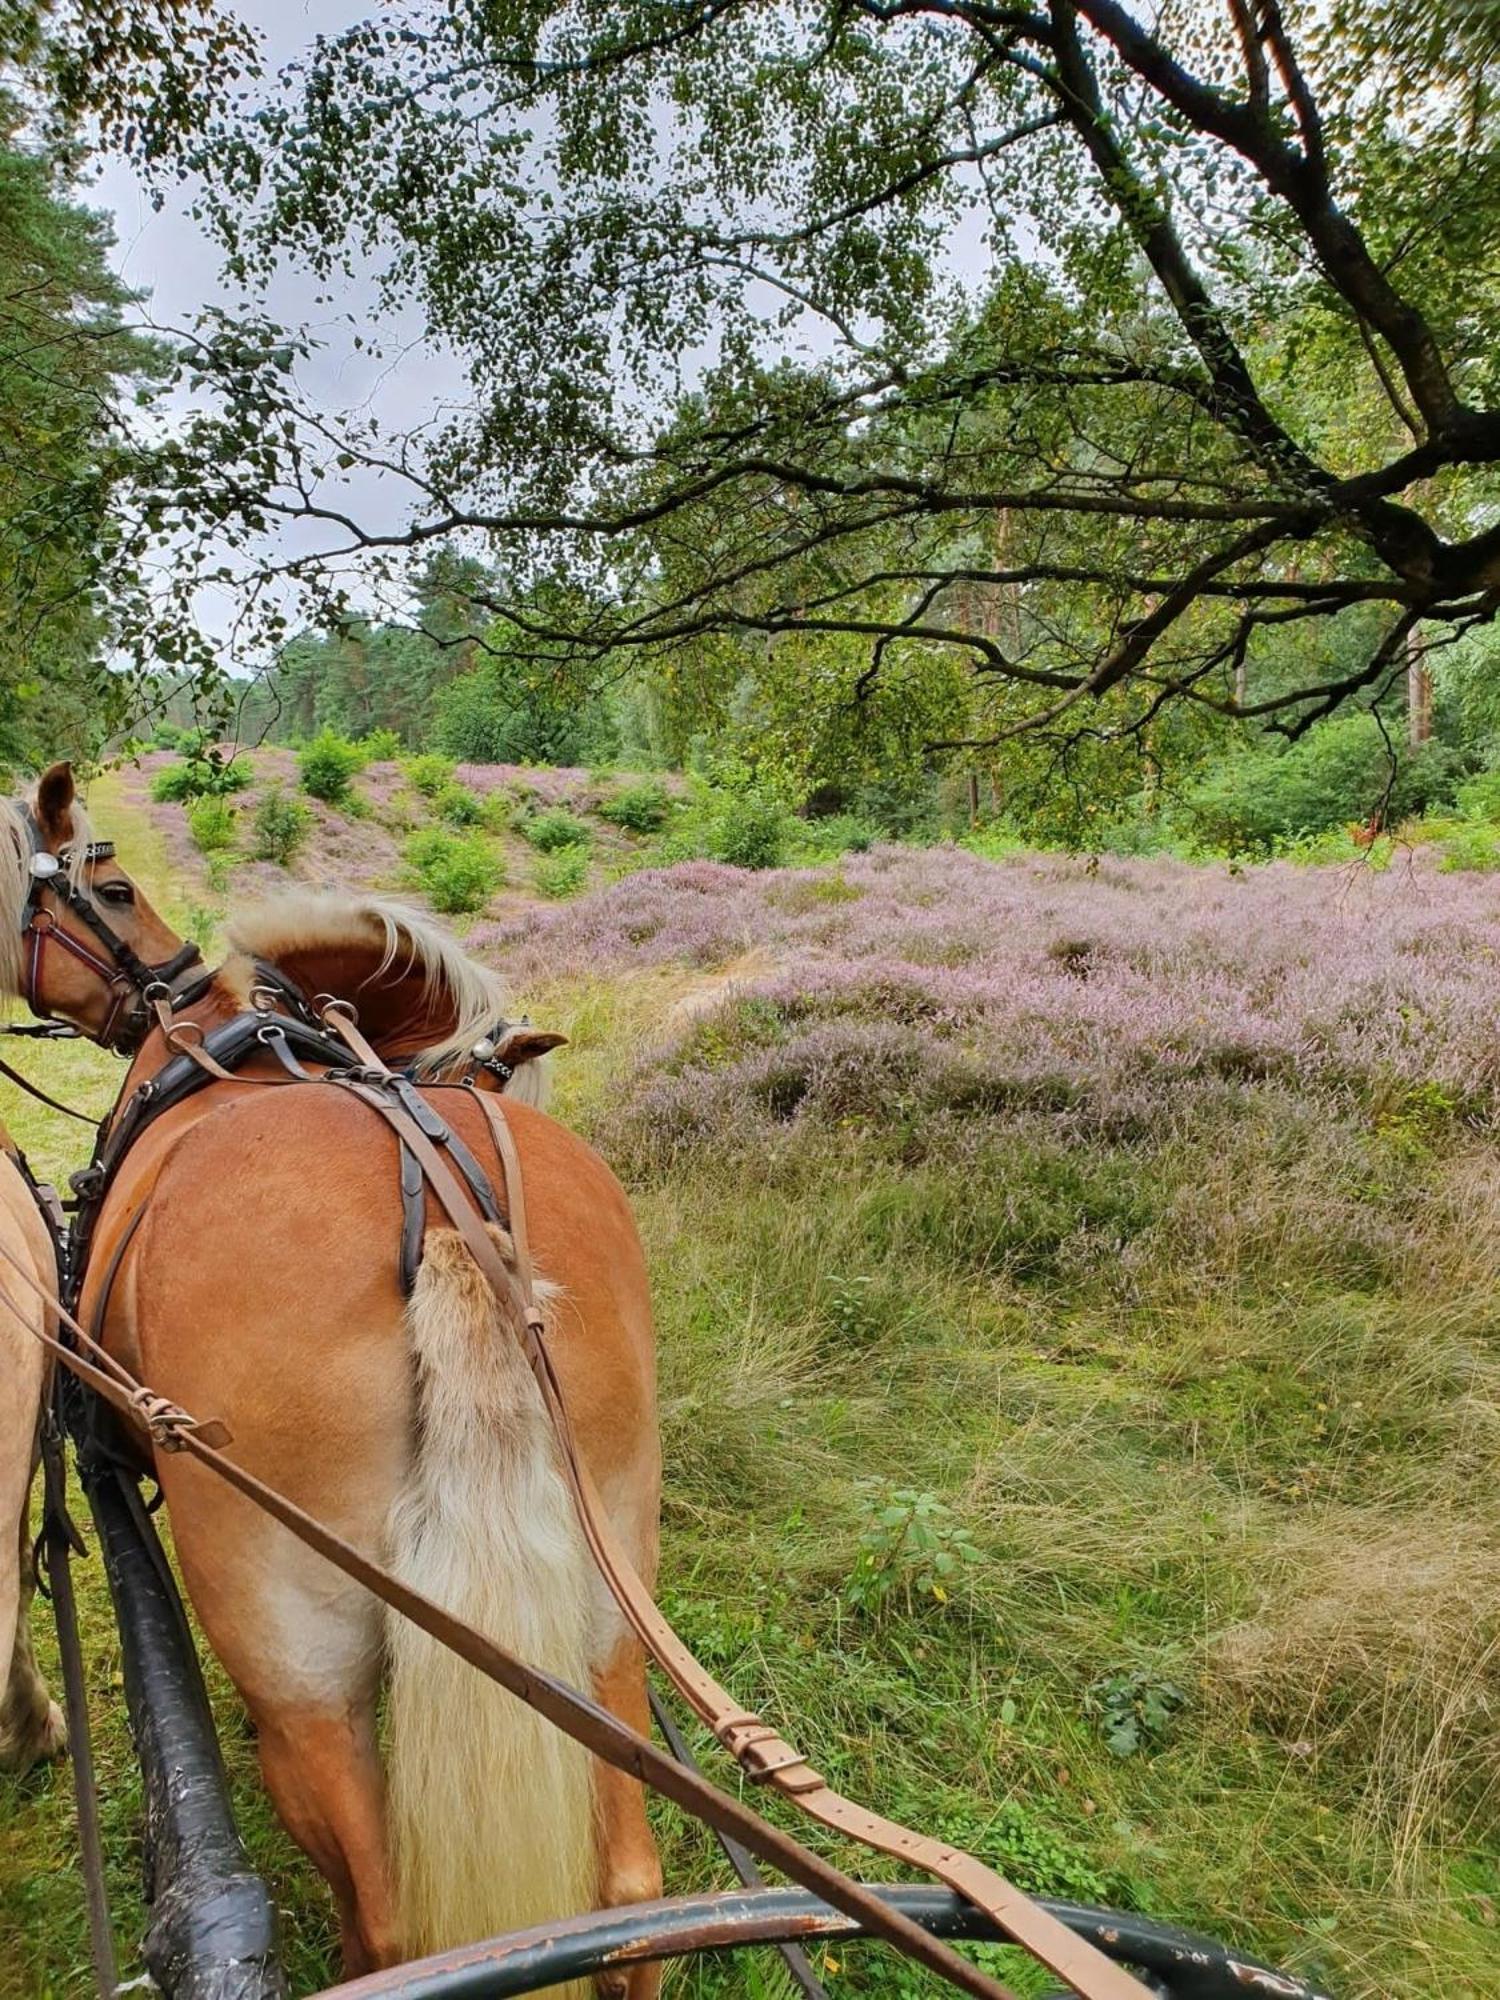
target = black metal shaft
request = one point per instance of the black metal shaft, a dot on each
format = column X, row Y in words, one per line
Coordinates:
column 212, row 1928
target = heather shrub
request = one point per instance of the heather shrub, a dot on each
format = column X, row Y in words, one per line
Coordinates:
column 281, row 827
column 327, row 765
column 457, row 872
column 642, row 808
column 560, row 874
column 429, row 773
column 459, row 806
column 203, row 774
column 553, row 831
column 211, row 822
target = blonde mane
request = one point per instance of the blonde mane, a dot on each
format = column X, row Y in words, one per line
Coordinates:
column 15, row 880
column 408, row 941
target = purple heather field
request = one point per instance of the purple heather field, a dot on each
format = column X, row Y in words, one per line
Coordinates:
column 1112, row 992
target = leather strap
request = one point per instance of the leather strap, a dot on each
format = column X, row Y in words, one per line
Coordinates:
column 595, row 1727
column 763, row 1754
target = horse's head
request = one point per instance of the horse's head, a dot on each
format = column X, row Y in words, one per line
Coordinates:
column 80, row 941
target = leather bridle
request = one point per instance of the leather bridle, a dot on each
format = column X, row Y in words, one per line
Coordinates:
column 122, row 970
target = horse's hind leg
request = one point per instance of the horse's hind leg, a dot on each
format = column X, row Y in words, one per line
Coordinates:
column 303, row 1646
column 629, row 1869
column 31, row 1723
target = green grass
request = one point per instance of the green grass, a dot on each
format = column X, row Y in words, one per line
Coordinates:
column 1218, row 1409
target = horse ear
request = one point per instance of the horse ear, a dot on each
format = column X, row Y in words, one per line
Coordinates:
column 524, row 1045
column 55, row 794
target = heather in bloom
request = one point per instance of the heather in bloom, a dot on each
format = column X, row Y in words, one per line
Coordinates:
column 1114, row 994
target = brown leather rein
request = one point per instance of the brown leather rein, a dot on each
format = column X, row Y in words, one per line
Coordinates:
column 762, row 1753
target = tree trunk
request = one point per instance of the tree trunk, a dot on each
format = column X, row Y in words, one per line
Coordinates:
column 1418, row 699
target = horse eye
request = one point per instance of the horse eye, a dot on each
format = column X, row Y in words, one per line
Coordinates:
column 116, row 892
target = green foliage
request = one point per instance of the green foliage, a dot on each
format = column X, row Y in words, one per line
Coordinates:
column 517, row 706
column 381, row 746
column 1345, row 771
column 458, row 806
column 911, row 1546
column 207, row 774
column 429, row 773
column 1471, row 850
column 211, row 821
column 1479, row 797
column 327, row 766
column 750, row 829
column 560, row 874
column 1134, row 1710
column 282, row 825
column 835, row 834
column 551, row 831
column 457, row 872
column 68, row 365
column 640, row 808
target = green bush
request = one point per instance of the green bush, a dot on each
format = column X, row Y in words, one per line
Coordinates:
column 457, row 872
column 203, row 776
column 282, row 825
column 749, row 830
column 1471, row 850
column 381, row 746
column 210, row 821
column 1339, row 773
column 561, row 874
column 327, row 764
column 1479, row 797
column 458, row 805
column 429, row 773
column 552, row 831
column 838, row 833
column 641, row 808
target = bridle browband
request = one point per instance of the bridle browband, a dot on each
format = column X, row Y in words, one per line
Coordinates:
column 123, row 971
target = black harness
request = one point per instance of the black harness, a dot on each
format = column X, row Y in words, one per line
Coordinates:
column 123, row 971
column 294, row 1038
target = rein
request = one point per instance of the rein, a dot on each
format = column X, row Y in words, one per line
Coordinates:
column 763, row 1755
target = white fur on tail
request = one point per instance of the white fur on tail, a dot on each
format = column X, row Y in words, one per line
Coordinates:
column 491, row 1808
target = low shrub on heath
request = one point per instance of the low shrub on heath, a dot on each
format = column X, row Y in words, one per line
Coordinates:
column 428, row 773
column 201, row 776
column 211, row 822
column 555, row 830
column 327, row 767
column 282, row 824
column 457, row 872
column 562, row 873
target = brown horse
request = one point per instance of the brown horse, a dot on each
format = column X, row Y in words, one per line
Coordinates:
column 31, row 1723
column 260, row 1286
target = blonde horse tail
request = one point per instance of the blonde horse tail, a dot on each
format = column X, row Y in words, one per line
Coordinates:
column 490, row 1808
